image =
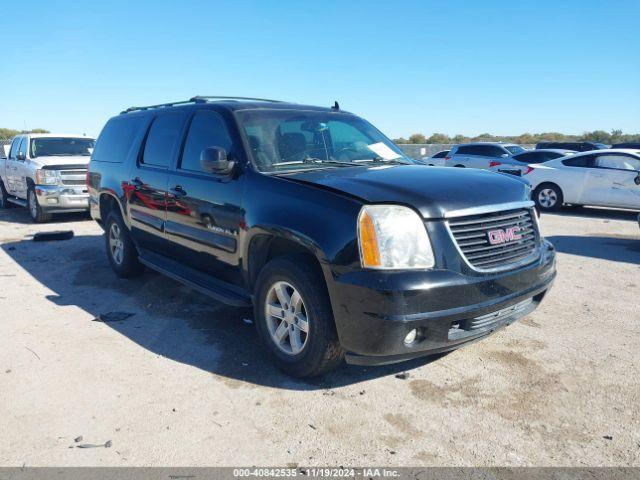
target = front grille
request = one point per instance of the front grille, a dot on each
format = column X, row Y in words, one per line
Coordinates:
column 489, row 321
column 73, row 177
column 471, row 233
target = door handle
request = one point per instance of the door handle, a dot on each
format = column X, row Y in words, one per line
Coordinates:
column 178, row 191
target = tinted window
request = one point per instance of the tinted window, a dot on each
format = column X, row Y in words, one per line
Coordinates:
column 515, row 149
column 489, row 151
column 116, row 139
column 14, row 147
column 581, row 161
column 162, row 139
column 441, row 154
column 537, row 157
column 60, row 146
column 207, row 129
column 620, row 162
column 468, row 150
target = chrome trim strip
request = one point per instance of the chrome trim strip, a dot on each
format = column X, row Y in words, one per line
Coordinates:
column 489, row 209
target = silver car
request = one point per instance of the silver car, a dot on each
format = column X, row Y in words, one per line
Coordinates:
column 519, row 164
column 481, row 154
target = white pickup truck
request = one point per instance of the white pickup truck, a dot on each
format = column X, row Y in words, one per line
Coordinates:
column 46, row 173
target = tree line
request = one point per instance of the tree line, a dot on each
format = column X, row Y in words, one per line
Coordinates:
column 615, row 136
column 10, row 132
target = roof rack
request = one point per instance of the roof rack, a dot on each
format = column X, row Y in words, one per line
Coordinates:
column 198, row 99
column 205, row 98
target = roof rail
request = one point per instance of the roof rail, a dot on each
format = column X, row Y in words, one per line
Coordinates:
column 205, row 98
column 197, row 99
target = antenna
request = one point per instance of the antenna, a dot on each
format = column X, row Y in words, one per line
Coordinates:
column 336, row 106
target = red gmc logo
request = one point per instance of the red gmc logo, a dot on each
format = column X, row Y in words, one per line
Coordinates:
column 496, row 237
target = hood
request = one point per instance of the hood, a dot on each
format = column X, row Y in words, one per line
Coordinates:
column 66, row 160
column 433, row 191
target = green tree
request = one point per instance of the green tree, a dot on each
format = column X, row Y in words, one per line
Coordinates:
column 417, row 138
column 438, row 138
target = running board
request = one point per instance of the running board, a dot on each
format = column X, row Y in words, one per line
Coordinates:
column 203, row 283
column 17, row 201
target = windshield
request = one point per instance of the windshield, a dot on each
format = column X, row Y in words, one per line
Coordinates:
column 513, row 149
column 61, row 146
column 299, row 139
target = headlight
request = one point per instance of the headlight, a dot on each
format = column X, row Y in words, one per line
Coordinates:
column 48, row 177
column 393, row 237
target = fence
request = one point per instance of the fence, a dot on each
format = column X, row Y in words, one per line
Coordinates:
column 426, row 150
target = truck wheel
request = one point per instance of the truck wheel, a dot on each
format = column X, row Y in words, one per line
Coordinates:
column 121, row 252
column 548, row 197
column 3, row 196
column 38, row 215
column 294, row 318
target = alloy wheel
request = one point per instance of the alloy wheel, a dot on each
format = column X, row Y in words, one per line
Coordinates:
column 116, row 247
column 286, row 318
column 547, row 197
column 33, row 204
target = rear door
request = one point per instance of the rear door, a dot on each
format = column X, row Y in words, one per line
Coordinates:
column 148, row 179
column 203, row 209
column 612, row 181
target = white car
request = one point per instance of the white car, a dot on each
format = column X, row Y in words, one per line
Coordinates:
column 608, row 178
column 482, row 155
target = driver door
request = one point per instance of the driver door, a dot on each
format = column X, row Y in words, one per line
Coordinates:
column 12, row 166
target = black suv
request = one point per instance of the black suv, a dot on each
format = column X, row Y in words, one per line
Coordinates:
column 318, row 221
column 576, row 146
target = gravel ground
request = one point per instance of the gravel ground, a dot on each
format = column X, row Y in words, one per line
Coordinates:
column 183, row 380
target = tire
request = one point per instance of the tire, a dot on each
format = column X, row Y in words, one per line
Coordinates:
column 121, row 252
column 548, row 197
column 3, row 196
column 319, row 348
column 37, row 214
column 459, row 166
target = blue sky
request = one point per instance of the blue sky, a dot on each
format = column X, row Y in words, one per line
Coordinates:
column 503, row 67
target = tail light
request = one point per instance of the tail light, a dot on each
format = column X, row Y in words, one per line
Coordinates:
column 494, row 164
column 528, row 170
column 447, row 158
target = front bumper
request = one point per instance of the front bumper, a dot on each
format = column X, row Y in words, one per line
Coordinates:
column 375, row 310
column 62, row 198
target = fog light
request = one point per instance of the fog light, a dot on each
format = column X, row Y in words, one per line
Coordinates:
column 52, row 200
column 411, row 336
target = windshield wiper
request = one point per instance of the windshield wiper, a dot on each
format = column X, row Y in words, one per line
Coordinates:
column 319, row 161
column 382, row 160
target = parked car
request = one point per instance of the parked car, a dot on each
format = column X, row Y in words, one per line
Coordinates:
column 318, row 221
column 46, row 173
column 519, row 164
column 480, row 155
column 437, row 159
column 632, row 145
column 575, row 146
column 608, row 178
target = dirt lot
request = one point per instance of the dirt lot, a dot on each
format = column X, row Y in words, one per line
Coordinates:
column 184, row 382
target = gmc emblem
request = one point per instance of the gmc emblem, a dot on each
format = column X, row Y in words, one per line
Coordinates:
column 496, row 237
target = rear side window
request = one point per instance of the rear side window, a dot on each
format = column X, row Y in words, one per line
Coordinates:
column 583, row 161
column 441, row 154
column 467, row 150
column 207, row 129
column 618, row 162
column 162, row 139
column 116, row 139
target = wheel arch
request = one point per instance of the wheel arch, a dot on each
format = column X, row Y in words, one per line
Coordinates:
column 107, row 202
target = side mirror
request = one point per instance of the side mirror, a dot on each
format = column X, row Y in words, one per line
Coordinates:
column 504, row 155
column 21, row 156
column 214, row 160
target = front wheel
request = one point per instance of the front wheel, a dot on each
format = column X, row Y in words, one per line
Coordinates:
column 548, row 197
column 294, row 318
column 37, row 214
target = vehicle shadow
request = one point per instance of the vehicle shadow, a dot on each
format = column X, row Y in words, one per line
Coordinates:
column 20, row 215
column 617, row 248
column 167, row 318
column 593, row 212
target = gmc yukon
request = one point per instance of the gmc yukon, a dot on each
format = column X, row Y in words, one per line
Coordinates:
column 310, row 215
